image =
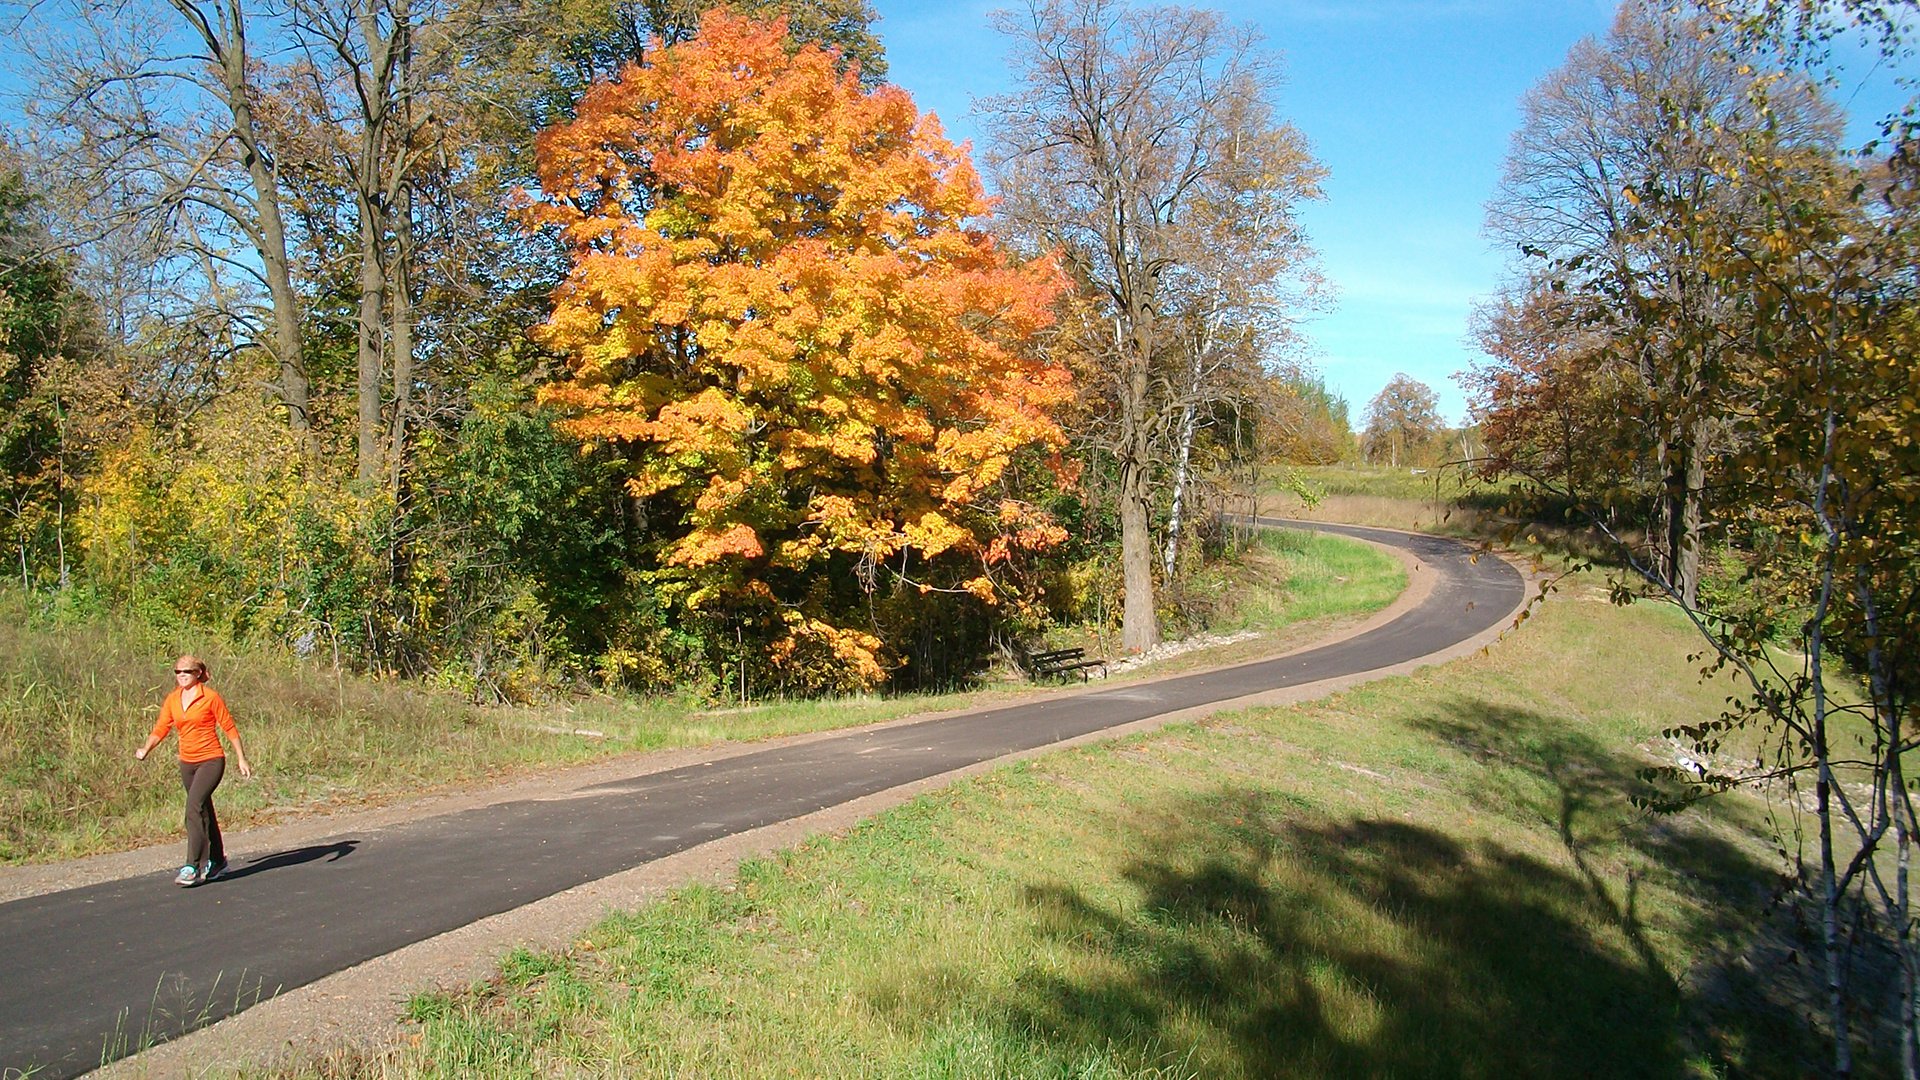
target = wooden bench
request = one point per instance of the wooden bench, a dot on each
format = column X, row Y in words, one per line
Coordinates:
column 1064, row 662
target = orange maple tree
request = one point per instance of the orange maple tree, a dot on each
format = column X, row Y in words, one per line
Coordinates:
column 783, row 308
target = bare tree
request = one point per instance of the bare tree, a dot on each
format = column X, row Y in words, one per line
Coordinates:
column 359, row 62
column 151, row 113
column 1234, row 291
column 1137, row 140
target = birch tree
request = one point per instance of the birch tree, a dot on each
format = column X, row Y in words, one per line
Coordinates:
column 1774, row 273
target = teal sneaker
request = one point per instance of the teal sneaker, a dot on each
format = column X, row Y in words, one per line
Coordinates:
column 188, row 875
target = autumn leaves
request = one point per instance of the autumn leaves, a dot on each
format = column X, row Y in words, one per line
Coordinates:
column 782, row 310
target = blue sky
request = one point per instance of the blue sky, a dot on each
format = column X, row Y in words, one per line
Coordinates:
column 1408, row 103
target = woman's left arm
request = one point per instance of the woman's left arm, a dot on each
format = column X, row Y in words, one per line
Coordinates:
column 223, row 719
column 239, row 753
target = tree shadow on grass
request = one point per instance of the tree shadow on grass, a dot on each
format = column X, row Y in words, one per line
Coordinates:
column 1753, row 1005
column 1257, row 938
column 1359, row 948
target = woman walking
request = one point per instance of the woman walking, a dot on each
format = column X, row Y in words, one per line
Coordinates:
column 198, row 714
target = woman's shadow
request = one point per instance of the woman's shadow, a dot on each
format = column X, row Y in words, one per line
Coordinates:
column 333, row 852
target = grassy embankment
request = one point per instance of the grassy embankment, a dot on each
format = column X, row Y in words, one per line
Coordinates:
column 76, row 699
column 1436, row 875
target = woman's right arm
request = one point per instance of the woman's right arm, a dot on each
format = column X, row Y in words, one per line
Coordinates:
column 158, row 733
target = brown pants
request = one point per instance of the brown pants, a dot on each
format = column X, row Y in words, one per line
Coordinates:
column 203, row 828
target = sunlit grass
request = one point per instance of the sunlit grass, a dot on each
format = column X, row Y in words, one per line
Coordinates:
column 1314, row 576
column 1449, row 483
column 77, row 698
column 1449, row 501
column 1437, row 875
column 1445, row 501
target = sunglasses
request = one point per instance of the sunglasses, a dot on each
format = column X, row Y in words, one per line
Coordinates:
column 185, row 671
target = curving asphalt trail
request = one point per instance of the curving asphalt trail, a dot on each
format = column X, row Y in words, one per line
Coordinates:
column 96, row 972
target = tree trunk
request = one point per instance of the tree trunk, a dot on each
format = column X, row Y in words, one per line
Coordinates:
column 399, row 206
column 277, row 268
column 1692, row 513
column 1666, row 514
column 1139, row 623
column 1182, row 463
column 1197, row 351
column 1893, row 804
column 1831, row 898
column 373, row 302
column 226, row 40
column 1139, row 620
column 399, row 557
column 1683, row 492
column 402, row 338
column 379, row 167
column 60, row 505
column 287, row 345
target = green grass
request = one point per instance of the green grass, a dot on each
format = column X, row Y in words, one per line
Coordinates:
column 1436, row 875
column 1449, row 501
column 78, row 696
column 1289, row 579
column 1314, row 576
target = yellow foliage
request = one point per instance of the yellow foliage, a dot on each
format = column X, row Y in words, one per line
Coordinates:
column 817, row 657
column 230, row 533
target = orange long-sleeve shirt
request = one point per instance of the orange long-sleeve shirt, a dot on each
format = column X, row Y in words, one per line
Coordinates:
column 196, row 724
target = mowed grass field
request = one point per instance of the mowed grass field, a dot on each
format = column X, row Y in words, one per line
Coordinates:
column 78, row 696
column 1433, row 875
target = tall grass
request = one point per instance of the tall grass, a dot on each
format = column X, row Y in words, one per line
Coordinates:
column 1444, row 484
column 78, row 695
column 1449, row 501
column 1446, row 501
column 1437, row 875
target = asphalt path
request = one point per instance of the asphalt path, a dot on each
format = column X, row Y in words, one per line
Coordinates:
column 101, row 971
